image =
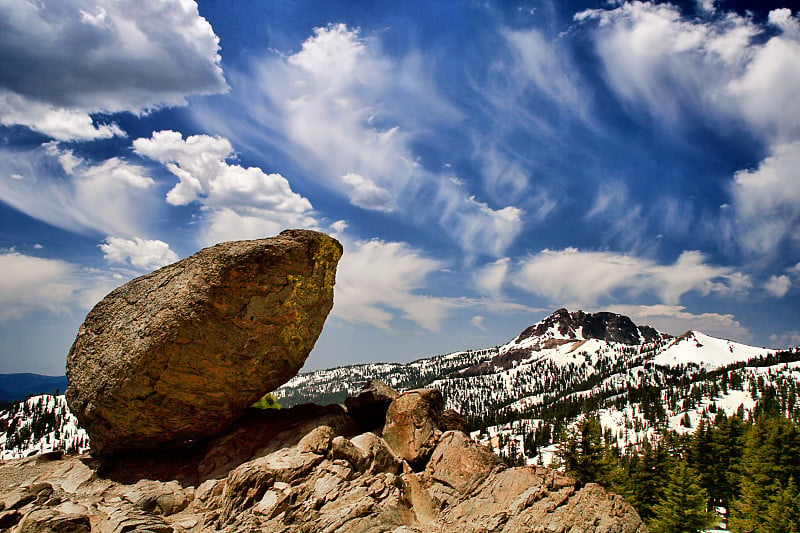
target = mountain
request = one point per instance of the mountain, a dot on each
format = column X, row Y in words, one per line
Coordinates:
column 520, row 396
column 15, row 387
column 40, row 424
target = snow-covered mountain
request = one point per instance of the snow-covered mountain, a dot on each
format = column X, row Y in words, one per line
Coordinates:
column 40, row 424
column 563, row 354
column 537, row 384
column 520, row 396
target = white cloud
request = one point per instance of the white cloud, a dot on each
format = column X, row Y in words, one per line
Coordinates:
column 365, row 193
column 542, row 61
column 766, row 201
column 137, row 252
column 586, row 278
column 477, row 321
column 65, row 60
column 58, row 123
column 34, row 284
column 376, row 280
column 677, row 67
column 675, row 319
column 241, row 202
column 491, row 278
column 340, row 107
column 113, row 197
column 778, row 286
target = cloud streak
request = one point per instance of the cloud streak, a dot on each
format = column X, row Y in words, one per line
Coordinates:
column 349, row 115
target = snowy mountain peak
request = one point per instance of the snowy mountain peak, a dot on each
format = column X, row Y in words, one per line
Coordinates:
column 578, row 325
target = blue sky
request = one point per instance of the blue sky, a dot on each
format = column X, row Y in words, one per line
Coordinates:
column 482, row 163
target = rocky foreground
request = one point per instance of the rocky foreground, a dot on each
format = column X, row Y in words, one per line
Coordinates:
column 310, row 469
column 161, row 376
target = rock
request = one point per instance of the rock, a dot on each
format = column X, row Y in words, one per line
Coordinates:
column 452, row 420
column 180, row 353
column 52, row 521
column 368, row 407
column 378, row 456
column 411, row 429
column 460, row 462
column 158, row 498
column 308, row 477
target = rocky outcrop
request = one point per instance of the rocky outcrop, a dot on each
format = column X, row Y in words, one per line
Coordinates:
column 603, row 326
column 180, row 353
column 313, row 471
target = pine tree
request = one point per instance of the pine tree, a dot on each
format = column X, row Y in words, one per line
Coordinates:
column 582, row 453
column 769, row 462
column 682, row 509
column 783, row 513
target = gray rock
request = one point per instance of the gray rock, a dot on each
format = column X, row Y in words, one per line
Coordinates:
column 180, row 353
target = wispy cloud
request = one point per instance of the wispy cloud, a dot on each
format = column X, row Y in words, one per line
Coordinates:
column 56, row 186
column 349, row 115
column 676, row 319
column 378, row 281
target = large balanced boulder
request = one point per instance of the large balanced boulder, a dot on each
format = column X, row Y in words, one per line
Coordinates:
column 180, row 353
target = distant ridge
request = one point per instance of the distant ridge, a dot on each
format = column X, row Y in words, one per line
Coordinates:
column 16, row 387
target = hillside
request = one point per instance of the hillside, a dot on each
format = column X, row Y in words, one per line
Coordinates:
column 521, row 395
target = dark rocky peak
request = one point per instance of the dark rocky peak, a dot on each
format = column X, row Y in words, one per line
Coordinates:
column 605, row 326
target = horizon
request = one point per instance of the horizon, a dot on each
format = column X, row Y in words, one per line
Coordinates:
column 483, row 164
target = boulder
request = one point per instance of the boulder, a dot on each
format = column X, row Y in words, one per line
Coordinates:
column 52, row 521
column 411, row 429
column 368, row 407
column 180, row 353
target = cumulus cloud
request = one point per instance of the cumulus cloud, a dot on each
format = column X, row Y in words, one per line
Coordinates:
column 33, row 284
column 137, row 252
column 350, row 114
column 58, row 187
column 586, row 278
column 367, row 194
column 241, row 202
column 675, row 319
column 778, row 286
column 376, row 280
column 101, row 56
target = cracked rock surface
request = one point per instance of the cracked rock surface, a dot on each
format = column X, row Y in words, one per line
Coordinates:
column 180, row 353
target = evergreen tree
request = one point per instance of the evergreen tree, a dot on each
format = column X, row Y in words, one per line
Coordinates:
column 783, row 513
column 582, row 452
column 682, row 509
column 769, row 463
